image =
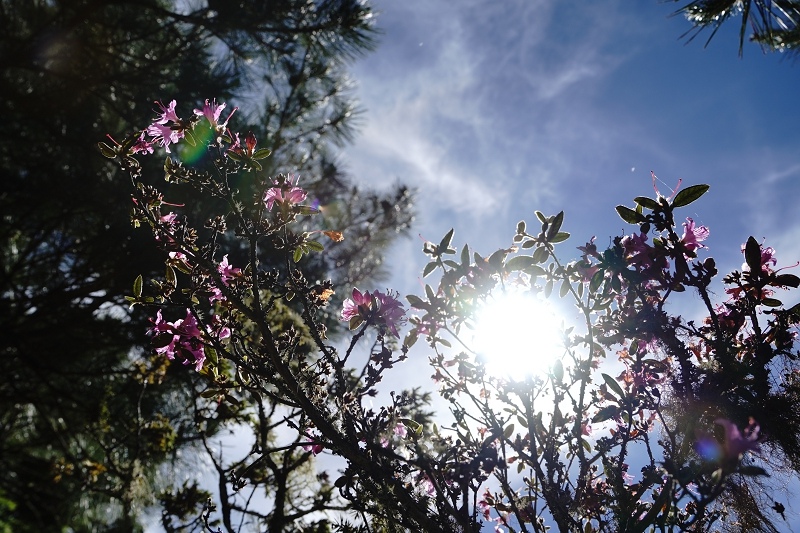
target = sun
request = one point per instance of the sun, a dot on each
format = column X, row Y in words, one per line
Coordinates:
column 518, row 334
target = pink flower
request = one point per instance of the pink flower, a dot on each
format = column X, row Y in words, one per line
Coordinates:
column 164, row 135
column 167, row 128
column 391, row 311
column 382, row 308
column 167, row 227
column 400, row 430
column 186, row 339
column 353, row 306
column 734, row 445
column 211, row 110
column 637, row 251
column 249, row 147
column 167, row 113
column 313, row 446
column 142, row 145
column 284, row 194
column 737, row 444
column 227, row 273
column 767, row 259
column 692, row 236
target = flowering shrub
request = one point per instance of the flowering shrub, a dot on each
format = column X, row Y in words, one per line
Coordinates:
column 646, row 420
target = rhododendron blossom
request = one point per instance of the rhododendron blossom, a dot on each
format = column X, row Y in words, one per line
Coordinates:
column 186, row 339
column 284, row 194
column 167, row 128
column 768, row 259
column 693, row 236
column 227, row 273
column 211, row 110
column 383, row 308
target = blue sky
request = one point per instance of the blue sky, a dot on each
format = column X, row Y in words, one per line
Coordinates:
column 495, row 109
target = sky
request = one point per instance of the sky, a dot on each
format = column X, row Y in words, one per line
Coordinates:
column 492, row 110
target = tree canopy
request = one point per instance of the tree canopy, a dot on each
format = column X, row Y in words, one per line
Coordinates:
column 87, row 413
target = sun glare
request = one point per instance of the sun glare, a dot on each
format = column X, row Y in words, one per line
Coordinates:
column 518, row 334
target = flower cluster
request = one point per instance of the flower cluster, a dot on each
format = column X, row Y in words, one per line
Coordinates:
column 284, row 193
column 381, row 308
column 227, row 274
column 183, row 338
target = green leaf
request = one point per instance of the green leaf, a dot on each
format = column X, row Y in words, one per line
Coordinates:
column 628, row 215
column 315, row 246
column 613, row 385
column 646, row 202
column 689, row 195
column 555, row 226
column 298, row 254
column 496, row 259
column 535, row 270
column 540, row 255
column 211, row 353
column 430, row 267
column 445, row 242
column 597, row 280
column 429, row 293
column 565, row 286
column 137, row 286
column 169, row 274
column 416, row 302
column 771, row 302
column 508, row 431
column 609, row 411
column 411, row 338
column 787, row 280
column 306, row 210
column 106, row 150
column 355, row 322
column 262, row 153
column 541, row 217
column 465, row 256
column 520, row 226
column 752, row 254
column 558, row 370
column 519, row 262
column 561, row 236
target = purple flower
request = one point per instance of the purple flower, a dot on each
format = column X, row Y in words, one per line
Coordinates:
column 186, row 339
column 692, row 236
column 382, row 308
column 167, row 113
column 734, row 446
column 167, row 128
column 313, row 446
column 142, row 145
column 164, row 135
column 352, row 306
column 211, row 110
column 767, row 259
column 284, row 194
column 167, row 227
column 391, row 311
column 227, row 273
column 637, row 251
column 737, row 443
